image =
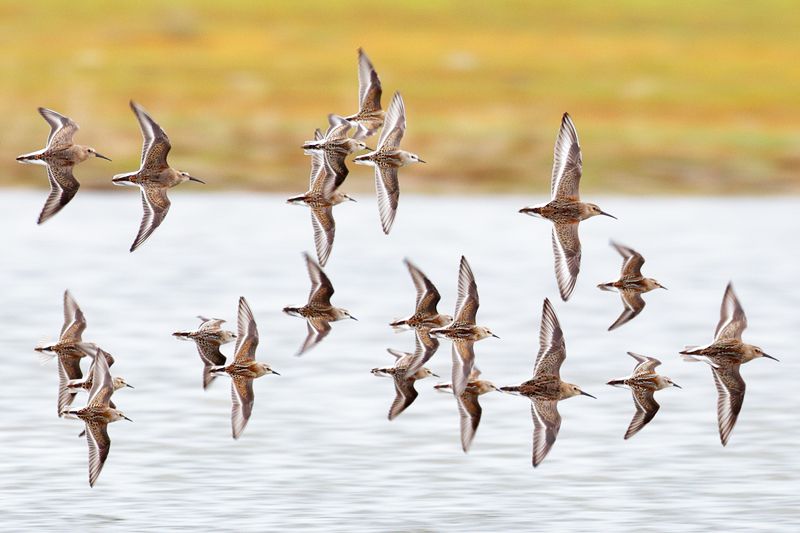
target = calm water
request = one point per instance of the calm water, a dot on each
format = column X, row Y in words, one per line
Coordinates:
column 318, row 452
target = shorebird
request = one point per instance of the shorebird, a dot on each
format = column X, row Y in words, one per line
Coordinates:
column 336, row 145
column 469, row 408
column 631, row 284
column 462, row 330
column 565, row 209
column 244, row 369
column 67, row 349
column 643, row 382
column 405, row 393
column 321, row 196
column 369, row 115
column 318, row 312
column 68, row 388
column 725, row 355
column 208, row 338
column 425, row 313
column 546, row 389
column 154, row 176
column 98, row 413
column 387, row 160
column 59, row 156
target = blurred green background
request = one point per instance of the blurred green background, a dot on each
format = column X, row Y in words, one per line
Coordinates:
column 668, row 97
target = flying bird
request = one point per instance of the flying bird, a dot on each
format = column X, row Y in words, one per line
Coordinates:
column 565, row 208
column 208, row 338
column 60, row 155
column 725, row 355
column 469, row 408
column 387, row 160
column 370, row 115
column 631, row 284
column 405, row 393
column 546, row 388
column 154, row 176
column 643, row 382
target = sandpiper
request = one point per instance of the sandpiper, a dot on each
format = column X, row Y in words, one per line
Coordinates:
column 60, row 155
column 244, row 369
column 154, row 176
column 318, row 312
column 725, row 355
column 565, row 209
column 66, row 348
column 208, row 338
column 546, row 389
column 336, row 145
column 68, row 388
column 469, row 408
column 425, row 313
column 405, row 393
column 631, row 284
column 98, row 413
column 643, row 382
column 462, row 330
column 387, row 160
column 321, row 196
column 369, row 113
column 429, row 345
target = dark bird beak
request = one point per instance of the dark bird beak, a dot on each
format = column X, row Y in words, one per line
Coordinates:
column 130, row 386
column 351, row 199
column 770, row 357
column 421, row 161
column 126, row 418
column 192, row 178
column 589, row 395
column 676, row 385
column 495, row 336
column 663, row 287
column 354, row 318
column 434, row 375
column 101, row 156
column 608, row 215
column 276, row 373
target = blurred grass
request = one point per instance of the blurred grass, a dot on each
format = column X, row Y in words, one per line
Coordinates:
column 672, row 97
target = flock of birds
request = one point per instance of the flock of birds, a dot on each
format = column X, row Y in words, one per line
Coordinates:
column 328, row 152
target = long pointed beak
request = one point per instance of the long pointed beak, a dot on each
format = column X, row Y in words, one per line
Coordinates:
column 101, row 156
column 495, row 336
column 354, row 318
column 434, row 375
column 770, row 357
column 126, row 418
column 676, row 385
column 351, row 199
column 421, row 161
column 192, row 178
column 130, row 386
column 663, row 287
column 589, row 395
column 276, row 373
column 608, row 215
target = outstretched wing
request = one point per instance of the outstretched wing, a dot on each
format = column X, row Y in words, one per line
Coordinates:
column 426, row 346
column 321, row 286
column 155, row 205
column 156, row 146
column 633, row 304
column 405, row 394
column 463, row 361
column 646, row 409
column 394, row 125
column 324, row 231
column 644, row 364
column 467, row 301
column 99, row 445
column 369, row 85
column 318, row 329
column 552, row 349
column 62, row 129
column 427, row 295
column 632, row 261
column 387, row 188
column 63, row 187
column 74, row 321
column 567, row 252
column 247, row 336
column 469, row 412
column 242, row 399
column 567, row 162
column 732, row 320
column 730, row 397
column 546, row 424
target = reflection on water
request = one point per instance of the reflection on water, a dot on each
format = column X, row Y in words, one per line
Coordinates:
column 318, row 452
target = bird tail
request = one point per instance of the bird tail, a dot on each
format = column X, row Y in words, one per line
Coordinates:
column 443, row 387
column 399, row 323
column 514, row 389
column 33, row 156
column 606, row 286
column 183, row 335
column 616, row 382
column 296, row 199
column 532, row 211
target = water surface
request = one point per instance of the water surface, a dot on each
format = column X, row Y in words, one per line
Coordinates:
column 318, row 453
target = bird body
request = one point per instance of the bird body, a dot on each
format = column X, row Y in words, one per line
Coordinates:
column 370, row 115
